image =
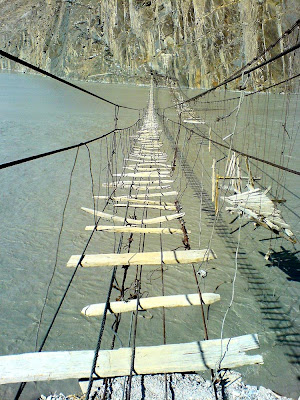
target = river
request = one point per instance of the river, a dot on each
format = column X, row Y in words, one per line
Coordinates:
column 37, row 115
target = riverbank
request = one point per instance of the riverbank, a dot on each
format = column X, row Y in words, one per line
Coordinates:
column 180, row 387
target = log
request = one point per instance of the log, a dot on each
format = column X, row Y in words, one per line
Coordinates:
column 157, row 207
column 181, row 357
column 131, row 221
column 180, row 300
column 146, row 258
column 135, row 229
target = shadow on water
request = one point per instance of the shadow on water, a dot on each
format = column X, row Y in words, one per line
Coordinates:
column 274, row 315
column 287, row 261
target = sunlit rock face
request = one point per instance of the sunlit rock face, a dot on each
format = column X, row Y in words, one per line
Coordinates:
column 199, row 42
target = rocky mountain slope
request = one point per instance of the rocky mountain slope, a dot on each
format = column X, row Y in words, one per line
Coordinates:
column 200, row 42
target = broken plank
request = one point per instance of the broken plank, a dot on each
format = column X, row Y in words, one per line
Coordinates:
column 181, row 357
column 148, row 303
column 131, row 221
column 146, row 258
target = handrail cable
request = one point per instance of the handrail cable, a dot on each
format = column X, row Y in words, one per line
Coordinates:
column 42, row 71
column 49, row 153
column 282, row 167
column 246, row 72
column 23, row 384
column 247, row 94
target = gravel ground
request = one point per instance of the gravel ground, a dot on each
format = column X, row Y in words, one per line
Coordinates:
column 180, row 387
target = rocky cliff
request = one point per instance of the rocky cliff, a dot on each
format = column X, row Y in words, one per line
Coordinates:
column 200, row 42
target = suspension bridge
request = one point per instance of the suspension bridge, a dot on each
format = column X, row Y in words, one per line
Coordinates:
column 145, row 202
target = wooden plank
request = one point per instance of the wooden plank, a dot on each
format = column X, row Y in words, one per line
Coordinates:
column 144, row 151
column 115, row 218
column 145, row 188
column 149, row 169
column 140, row 196
column 149, row 164
column 154, row 174
column 142, row 201
column 181, row 357
column 153, row 206
column 179, row 300
column 136, row 182
column 135, row 229
column 152, row 157
column 146, row 258
column 152, row 162
column 193, row 121
column 154, row 202
column 142, row 188
column 155, row 146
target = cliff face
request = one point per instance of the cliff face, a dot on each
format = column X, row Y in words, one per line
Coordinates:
column 200, row 42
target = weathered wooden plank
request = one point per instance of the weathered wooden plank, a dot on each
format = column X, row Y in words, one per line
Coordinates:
column 152, row 157
column 140, row 196
column 153, row 174
column 146, row 258
column 145, row 151
column 142, row 201
column 148, row 303
column 153, row 202
column 193, row 121
column 181, row 357
column 131, row 221
column 149, row 164
column 135, row 229
column 155, row 146
column 149, row 169
column 151, row 153
column 153, row 206
column 136, row 182
column 142, row 188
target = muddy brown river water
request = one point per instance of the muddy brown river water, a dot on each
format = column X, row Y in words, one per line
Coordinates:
column 37, row 115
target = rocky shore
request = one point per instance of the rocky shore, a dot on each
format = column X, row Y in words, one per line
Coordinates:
column 180, row 387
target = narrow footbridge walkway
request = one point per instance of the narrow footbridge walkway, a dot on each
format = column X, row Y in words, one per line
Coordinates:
column 148, row 178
